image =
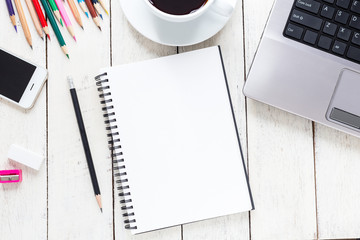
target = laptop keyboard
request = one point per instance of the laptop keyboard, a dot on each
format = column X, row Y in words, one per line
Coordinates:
column 332, row 26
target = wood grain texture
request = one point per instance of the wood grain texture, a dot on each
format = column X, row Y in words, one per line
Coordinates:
column 230, row 39
column 337, row 175
column 23, row 207
column 280, row 151
column 281, row 174
column 73, row 210
column 278, row 146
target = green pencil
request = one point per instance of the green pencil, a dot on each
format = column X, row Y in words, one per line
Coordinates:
column 56, row 11
column 54, row 26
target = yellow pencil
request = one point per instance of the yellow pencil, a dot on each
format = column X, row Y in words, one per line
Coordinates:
column 103, row 6
column 23, row 22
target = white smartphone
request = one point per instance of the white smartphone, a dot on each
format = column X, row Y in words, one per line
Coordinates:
column 20, row 81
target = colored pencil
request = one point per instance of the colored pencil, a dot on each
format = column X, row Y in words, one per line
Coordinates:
column 55, row 10
column 24, row 24
column 103, row 6
column 97, row 7
column 34, row 18
column 41, row 17
column 66, row 18
column 93, row 13
column 52, row 21
column 75, row 12
column 11, row 13
column 83, row 7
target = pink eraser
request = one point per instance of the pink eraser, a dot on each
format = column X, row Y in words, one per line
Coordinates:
column 9, row 176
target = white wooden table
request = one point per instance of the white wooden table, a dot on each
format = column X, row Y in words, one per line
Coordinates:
column 304, row 176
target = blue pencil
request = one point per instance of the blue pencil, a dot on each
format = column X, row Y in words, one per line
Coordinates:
column 83, row 7
column 97, row 6
column 11, row 13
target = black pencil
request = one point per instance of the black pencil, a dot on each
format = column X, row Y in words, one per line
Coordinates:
column 85, row 142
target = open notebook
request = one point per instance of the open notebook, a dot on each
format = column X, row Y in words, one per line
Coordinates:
column 174, row 140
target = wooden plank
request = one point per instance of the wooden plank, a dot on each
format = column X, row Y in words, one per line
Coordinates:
column 337, row 177
column 130, row 46
column 23, row 205
column 73, row 210
column 230, row 39
column 280, row 151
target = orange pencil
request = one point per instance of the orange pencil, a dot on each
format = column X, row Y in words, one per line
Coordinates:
column 23, row 22
column 34, row 18
column 75, row 12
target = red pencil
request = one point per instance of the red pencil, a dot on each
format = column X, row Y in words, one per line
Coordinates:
column 41, row 17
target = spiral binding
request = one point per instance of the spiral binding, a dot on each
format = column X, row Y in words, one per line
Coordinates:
column 116, row 151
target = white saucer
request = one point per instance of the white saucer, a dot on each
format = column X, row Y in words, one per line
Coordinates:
column 172, row 33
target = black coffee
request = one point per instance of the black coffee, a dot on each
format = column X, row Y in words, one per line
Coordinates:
column 178, row 7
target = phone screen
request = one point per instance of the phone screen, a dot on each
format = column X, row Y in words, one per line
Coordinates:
column 15, row 75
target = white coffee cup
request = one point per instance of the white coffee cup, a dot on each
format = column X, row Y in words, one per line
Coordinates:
column 221, row 7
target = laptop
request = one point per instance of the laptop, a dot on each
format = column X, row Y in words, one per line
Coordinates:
column 308, row 62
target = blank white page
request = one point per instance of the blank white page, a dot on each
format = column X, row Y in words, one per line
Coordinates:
column 179, row 139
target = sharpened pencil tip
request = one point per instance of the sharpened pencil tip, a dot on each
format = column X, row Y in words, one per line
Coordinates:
column 101, row 17
column 75, row 39
column 48, row 37
column 15, row 28
column 68, row 56
column 42, row 38
column 101, row 210
column 106, row 12
column 61, row 22
column 31, row 47
column 99, row 28
column 86, row 13
column 98, row 199
column 82, row 27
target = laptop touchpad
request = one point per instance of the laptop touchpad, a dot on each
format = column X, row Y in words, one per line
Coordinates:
column 344, row 108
